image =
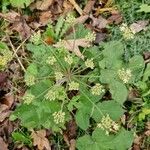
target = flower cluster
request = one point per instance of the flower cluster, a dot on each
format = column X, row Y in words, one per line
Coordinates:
column 28, row 98
column 5, row 58
column 90, row 36
column 70, row 19
column 35, row 38
column 51, row 60
column 73, row 86
column 30, row 80
column 124, row 75
column 89, row 63
column 97, row 89
column 57, row 92
column 68, row 59
column 108, row 124
column 59, row 117
column 127, row 33
column 58, row 76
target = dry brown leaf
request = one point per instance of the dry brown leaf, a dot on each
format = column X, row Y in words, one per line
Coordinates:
column 4, row 112
column 45, row 17
column 100, row 37
column 67, row 7
column 40, row 140
column 3, row 145
column 18, row 23
column 139, row 26
column 3, row 79
column 99, row 22
column 43, row 4
column 73, row 45
column 72, row 144
column 81, row 19
column 76, row 6
column 115, row 18
column 87, row 9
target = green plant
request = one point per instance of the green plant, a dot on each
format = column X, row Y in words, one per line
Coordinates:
column 74, row 80
column 5, row 55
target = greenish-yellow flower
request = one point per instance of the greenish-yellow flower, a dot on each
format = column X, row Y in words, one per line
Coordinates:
column 89, row 63
column 51, row 60
column 73, row 86
column 59, row 117
column 125, row 75
column 97, row 89
column 28, row 98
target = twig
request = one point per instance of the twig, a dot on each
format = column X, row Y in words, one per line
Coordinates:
column 76, row 6
column 15, row 53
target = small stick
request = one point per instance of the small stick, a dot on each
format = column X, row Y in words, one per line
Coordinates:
column 76, row 6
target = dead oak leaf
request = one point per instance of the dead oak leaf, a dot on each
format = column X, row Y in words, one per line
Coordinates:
column 139, row 26
column 73, row 45
column 44, row 4
column 40, row 140
column 18, row 23
column 3, row 145
column 99, row 22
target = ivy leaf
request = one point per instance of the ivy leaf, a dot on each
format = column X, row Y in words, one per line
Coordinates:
column 136, row 64
column 107, row 75
column 85, row 143
column 112, row 108
column 100, row 141
column 119, row 91
column 82, row 119
column 21, row 3
column 144, row 8
column 121, row 141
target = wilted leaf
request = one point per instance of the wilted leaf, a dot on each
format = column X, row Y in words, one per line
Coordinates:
column 3, row 78
column 40, row 140
column 99, row 22
column 73, row 45
column 116, row 17
column 138, row 26
column 45, row 17
column 3, row 145
column 18, row 23
column 43, row 4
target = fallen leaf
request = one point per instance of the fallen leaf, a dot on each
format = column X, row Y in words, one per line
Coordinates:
column 73, row 45
column 100, row 37
column 89, row 6
column 138, row 26
column 43, row 4
column 81, row 19
column 3, row 79
column 99, row 22
column 72, row 144
column 76, row 6
column 8, row 100
column 18, row 23
column 45, row 17
column 67, row 7
column 3, row 145
column 115, row 18
column 40, row 140
column 146, row 55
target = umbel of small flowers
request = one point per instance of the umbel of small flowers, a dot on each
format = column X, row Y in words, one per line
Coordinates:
column 108, row 125
column 59, row 117
column 125, row 75
column 30, row 80
column 127, row 32
column 97, row 89
column 51, row 60
column 68, row 59
column 73, row 86
column 89, row 63
column 58, row 76
column 28, row 98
